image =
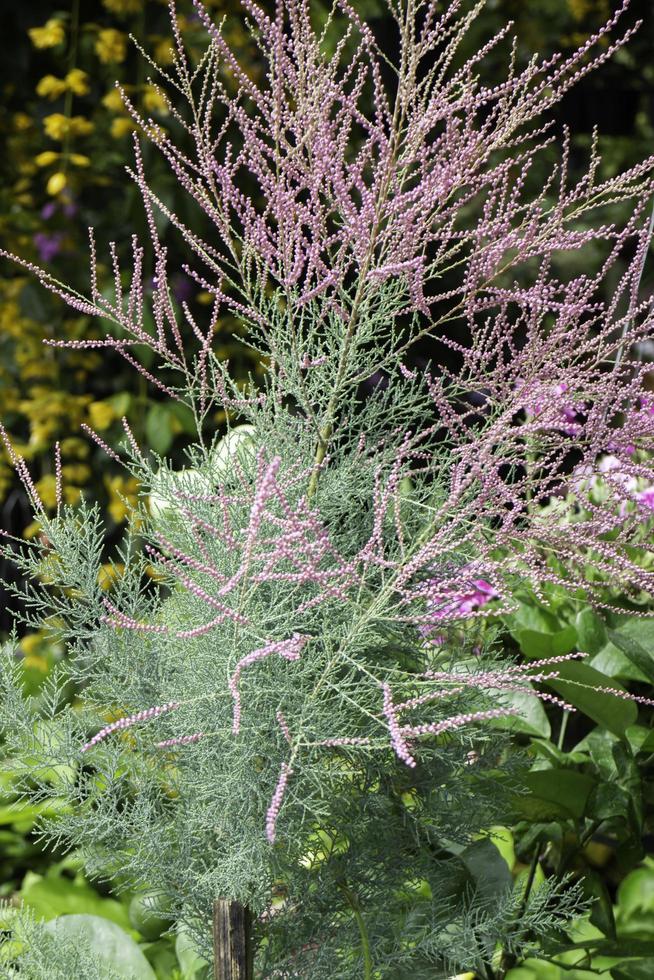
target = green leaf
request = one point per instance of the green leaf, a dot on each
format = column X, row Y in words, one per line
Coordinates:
column 636, row 891
column 613, row 663
column 564, row 788
column 601, row 912
column 535, row 970
column 640, row 738
column 607, row 802
column 578, row 683
column 636, row 653
column 54, row 895
column 488, row 868
column 158, row 429
column 591, row 631
column 108, row 941
column 185, row 417
column 537, row 646
column 120, row 402
column 636, row 970
column 26, row 814
column 530, row 719
column 194, row 966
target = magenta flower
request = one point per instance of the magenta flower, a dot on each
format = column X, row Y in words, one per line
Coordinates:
column 48, row 245
column 451, row 600
column 551, row 407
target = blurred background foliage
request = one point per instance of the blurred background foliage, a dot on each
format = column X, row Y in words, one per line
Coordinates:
column 66, row 141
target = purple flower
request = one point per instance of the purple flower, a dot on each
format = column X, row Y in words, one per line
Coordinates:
column 646, row 497
column 48, row 210
column 548, row 405
column 48, row 246
column 454, row 601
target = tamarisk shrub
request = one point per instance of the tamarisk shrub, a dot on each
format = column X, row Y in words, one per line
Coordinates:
column 294, row 695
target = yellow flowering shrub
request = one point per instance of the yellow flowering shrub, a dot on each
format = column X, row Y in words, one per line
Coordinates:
column 63, row 172
column 121, row 126
column 123, row 495
column 58, row 126
column 111, row 46
column 49, row 36
column 123, row 7
column 50, row 87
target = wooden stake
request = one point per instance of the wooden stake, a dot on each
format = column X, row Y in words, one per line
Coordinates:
column 232, row 947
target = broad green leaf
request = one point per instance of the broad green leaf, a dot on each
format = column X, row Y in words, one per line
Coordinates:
column 636, row 891
column 601, row 912
column 640, row 738
column 120, row 402
column 183, row 414
column 537, row 646
column 614, row 663
column 564, row 788
column 108, row 941
column 535, row 970
column 591, row 631
column 530, row 719
column 158, row 428
column 634, row 651
column 488, row 868
column 634, row 970
column 26, row 814
column 502, row 839
column 52, row 896
column 194, row 966
column 578, row 684
column 608, row 802
column 532, row 617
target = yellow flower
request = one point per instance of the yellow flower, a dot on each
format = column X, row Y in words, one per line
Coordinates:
column 164, row 52
column 101, row 415
column 46, row 487
column 111, row 46
column 121, row 127
column 77, row 81
column 72, row 446
column 30, row 643
column 113, row 101
column 154, row 101
column 579, row 8
column 122, row 7
column 46, row 158
column 36, row 663
column 49, row 36
column 79, row 160
column 122, row 496
column 32, row 530
column 76, row 472
column 22, row 121
column 58, row 127
column 72, row 495
column 50, row 87
column 56, row 184
column 108, row 573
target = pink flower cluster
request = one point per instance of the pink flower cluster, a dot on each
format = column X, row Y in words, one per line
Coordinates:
column 118, row 726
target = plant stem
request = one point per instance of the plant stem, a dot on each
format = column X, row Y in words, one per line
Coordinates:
column 353, row 902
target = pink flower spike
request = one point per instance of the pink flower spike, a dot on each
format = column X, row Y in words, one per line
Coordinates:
column 276, row 802
column 123, row 723
column 397, row 740
column 58, row 479
column 181, row 740
column 288, row 649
